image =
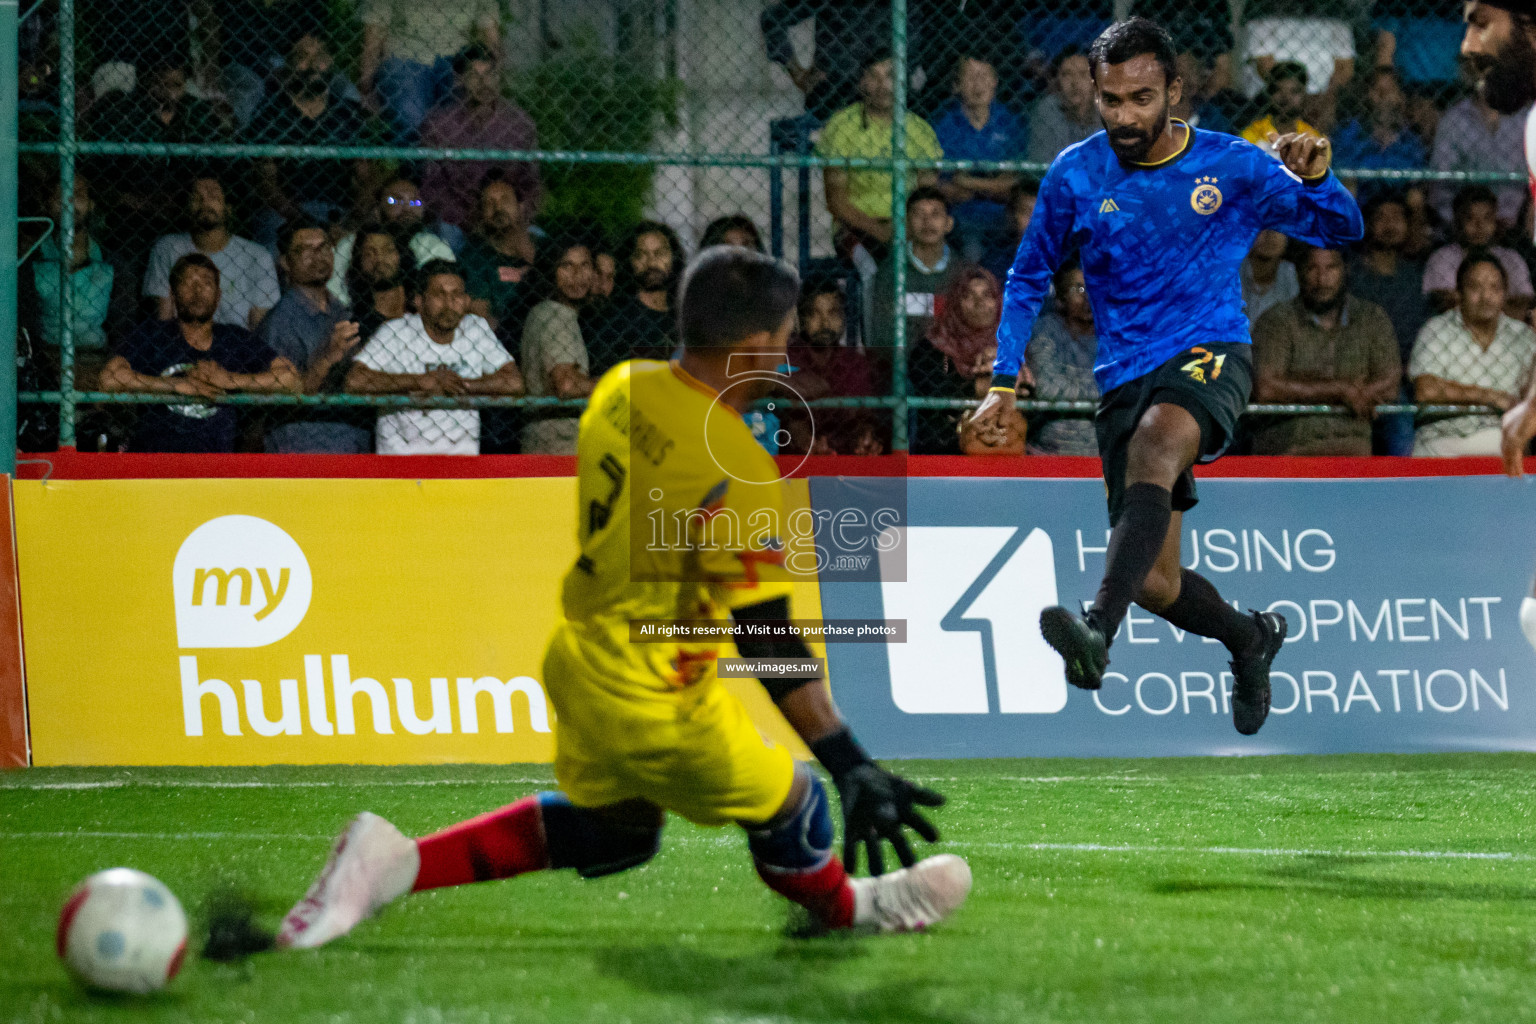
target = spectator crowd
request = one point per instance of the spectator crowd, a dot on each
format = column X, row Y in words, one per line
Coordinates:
column 441, row 280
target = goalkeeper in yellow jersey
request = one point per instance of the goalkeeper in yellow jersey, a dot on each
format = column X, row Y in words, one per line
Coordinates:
column 679, row 516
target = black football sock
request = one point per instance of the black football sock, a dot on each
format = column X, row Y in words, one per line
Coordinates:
column 1200, row 610
column 1134, row 545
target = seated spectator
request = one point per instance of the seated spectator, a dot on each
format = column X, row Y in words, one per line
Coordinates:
column 399, row 209
column 1203, row 45
column 929, row 267
column 498, row 255
column 735, row 229
column 478, row 116
column 826, row 365
column 1382, row 139
column 1324, row 347
column 1383, row 273
column 846, row 33
column 377, row 278
column 998, row 259
column 254, row 37
column 1060, row 357
column 248, row 277
column 312, row 329
column 148, row 189
column 1471, row 355
column 1268, row 277
column 1472, row 136
column 308, row 112
column 1285, row 93
column 860, row 200
column 1203, row 103
column 605, row 269
column 193, row 355
column 96, row 292
column 408, row 48
column 1476, row 226
column 440, row 350
column 1066, row 115
column 554, row 355
column 975, row 126
column 945, row 360
column 640, row 322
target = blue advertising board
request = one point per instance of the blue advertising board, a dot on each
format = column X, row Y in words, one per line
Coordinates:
column 1402, row 596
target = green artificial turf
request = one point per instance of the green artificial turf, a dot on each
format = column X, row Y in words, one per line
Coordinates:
column 1273, row 889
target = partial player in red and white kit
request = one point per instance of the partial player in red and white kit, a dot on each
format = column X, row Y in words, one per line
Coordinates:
column 1500, row 44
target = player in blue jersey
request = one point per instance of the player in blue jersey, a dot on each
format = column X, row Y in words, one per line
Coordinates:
column 1162, row 214
column 1500, row 45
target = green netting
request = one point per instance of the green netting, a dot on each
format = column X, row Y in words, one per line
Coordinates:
column 567, row 158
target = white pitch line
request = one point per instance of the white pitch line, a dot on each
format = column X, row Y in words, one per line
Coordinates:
column 213, row 784
column 1245, row 851
column 176, row 836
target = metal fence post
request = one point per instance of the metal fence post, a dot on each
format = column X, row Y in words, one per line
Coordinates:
column 66, row 228
column 899, row 225
column 9, row 71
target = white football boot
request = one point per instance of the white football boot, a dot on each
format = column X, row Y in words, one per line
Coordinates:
column 913, row 898
column 371, row 865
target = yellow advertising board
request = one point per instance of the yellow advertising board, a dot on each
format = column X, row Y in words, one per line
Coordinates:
column 232, row 622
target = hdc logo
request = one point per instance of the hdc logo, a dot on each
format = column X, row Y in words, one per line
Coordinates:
column 972, row 600
column 239, row 581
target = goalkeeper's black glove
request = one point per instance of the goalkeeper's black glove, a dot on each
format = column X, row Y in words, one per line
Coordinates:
column 876, row 803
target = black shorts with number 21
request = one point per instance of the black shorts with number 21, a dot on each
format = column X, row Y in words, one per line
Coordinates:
column 1212, row 382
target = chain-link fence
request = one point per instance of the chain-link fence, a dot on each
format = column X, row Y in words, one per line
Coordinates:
column 384, row 225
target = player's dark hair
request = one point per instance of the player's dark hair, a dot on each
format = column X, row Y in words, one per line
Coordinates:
column 730, row 294
column 291, row 227
column 1129, row 39
column 1469, row 196
column 817, row 286
column 1475, row 256
column 716, row 230
column 1285, row 71
column 187, row 263
column 434, row 268
column 926, row 194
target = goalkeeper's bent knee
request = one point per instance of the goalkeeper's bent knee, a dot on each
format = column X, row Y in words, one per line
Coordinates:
column 800, row 842
column 593, row 844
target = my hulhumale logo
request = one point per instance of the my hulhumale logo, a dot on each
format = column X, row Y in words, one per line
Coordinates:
column 239, row 581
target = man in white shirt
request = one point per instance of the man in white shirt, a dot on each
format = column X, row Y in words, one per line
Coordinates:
column 246, row 269
column 438, row 350
column 1471, row 355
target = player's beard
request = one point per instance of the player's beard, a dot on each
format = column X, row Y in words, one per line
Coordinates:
column 1507, row 80
column 1133, row 144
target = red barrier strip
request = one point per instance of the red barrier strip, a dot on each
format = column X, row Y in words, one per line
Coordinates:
column 71, row 465
column 13, row 686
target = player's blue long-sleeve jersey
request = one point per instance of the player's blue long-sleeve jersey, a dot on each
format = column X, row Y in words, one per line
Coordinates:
column 1161, row 245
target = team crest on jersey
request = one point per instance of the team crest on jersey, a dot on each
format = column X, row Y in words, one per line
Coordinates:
column 1206, row 198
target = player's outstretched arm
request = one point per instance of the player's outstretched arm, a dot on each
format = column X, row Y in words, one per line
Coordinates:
column 1298, row 195
column 878, row 805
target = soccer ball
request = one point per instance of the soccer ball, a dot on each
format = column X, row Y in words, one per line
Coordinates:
column 123, row 931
